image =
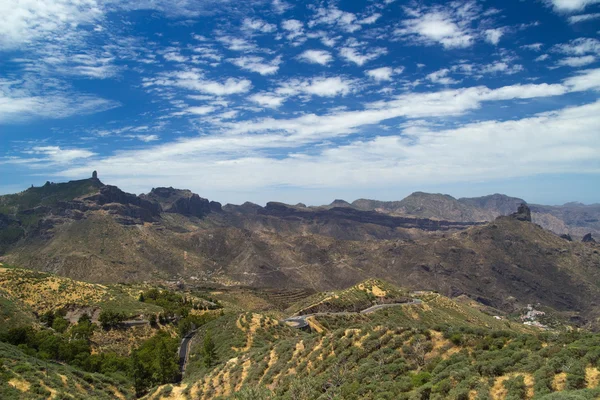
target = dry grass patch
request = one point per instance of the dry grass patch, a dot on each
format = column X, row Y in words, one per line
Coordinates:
column 499, row 392
column 592, row 377
column 559, row 382
column 19, row 384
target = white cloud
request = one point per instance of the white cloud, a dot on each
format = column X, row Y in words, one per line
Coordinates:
column 316, row 57
column 258, row 64
column 258, row 25
column 543, row 57
column 58, row 155
column 571, row 5
column 175, row 57
column 144, row 138
column 565, row 141
column 576, row 61
column 267, row 100
column 280, row 6
column 533, row 46
column 236, row 43
column 200, row 110
column 294, row 27
column 358, row 58
column 323, row 87
column 370, row 19
column 194, row 80
column 25, row 21
column 383, row 73
column 449, row 26
column 18, row 103
column 333, row 16
column 579, row 46
column 575, row 19
column 585, row 80
column 493, row 35
column 441, row 77
column 500, row 67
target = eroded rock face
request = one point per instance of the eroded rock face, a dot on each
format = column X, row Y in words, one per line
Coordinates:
column 566, row 236
column 182, row 202
column 125, row 204
column 588, row 239
column 523, row 213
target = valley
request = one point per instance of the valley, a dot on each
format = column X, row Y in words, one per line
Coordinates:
column 171, row 296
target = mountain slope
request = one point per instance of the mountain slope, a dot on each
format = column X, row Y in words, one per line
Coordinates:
column 435, row 349
column 111, row 236
column 572, row 218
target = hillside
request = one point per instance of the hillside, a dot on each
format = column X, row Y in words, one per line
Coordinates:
column 26, row 377
column 437, row 349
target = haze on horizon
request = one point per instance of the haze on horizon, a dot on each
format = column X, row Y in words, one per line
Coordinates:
column 304, row 101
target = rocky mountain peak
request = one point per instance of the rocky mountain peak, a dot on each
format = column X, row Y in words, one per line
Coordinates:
column 182, row 202
column 523, row 213
column 588, row 239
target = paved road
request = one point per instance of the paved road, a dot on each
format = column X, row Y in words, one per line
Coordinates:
column 135, row 322
column 184, row 350
column 300, row 322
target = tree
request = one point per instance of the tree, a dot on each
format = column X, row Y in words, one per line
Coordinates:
column 60, row 324
column 141, row 298
column 139, row 374
column 167, row 368
column 47, row 318
column 209, row 351
column 110, row 319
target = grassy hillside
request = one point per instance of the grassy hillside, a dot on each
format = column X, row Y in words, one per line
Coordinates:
column 405, row 351
column 43, row 292
column 392, row 354
column 47, row 195
column 25, row 377
column 355, row 298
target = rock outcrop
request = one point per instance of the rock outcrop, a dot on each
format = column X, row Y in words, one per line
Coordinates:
column 182, row 202
column 588, row 239
column 523, row 213
column 566, row 236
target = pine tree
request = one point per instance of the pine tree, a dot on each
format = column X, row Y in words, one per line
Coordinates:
column 138, row 373
column 209, row 351
column 167, row 365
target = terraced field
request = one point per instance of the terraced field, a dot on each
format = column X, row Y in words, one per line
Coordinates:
column 24, row 377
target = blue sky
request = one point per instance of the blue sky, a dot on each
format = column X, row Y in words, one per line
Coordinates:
column 304, row 101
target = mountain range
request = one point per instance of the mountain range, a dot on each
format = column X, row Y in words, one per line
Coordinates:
column 95, row 232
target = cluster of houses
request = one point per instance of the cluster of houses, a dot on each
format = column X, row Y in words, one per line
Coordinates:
column 531, row 317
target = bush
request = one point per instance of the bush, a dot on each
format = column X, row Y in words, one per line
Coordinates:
column 111, row 319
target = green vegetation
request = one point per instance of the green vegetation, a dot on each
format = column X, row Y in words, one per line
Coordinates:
column 354, row 299
column 154, row 362
column 111, row 319
column 209, row 354
column 26, row 377
column 407, row 363
column 47, row 195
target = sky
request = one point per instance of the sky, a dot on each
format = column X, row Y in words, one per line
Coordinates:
column 305, row 101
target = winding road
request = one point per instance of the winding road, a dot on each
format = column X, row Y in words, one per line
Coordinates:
column 300, row 321
column 184, row 350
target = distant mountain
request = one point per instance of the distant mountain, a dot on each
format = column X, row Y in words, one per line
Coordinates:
column 90, row 231
column 572, row 218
